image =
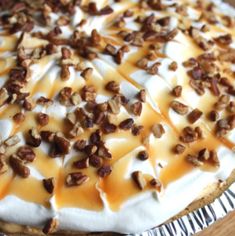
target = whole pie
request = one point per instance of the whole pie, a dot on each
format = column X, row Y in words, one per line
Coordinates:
column 115, row 115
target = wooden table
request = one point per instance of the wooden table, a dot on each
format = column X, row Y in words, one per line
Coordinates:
column 223, row 227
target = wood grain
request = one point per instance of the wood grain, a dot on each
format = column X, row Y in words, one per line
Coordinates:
column 223, row 227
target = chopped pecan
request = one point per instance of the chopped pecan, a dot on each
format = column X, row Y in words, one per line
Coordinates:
column 143, row 155
column 3, row 96
column 113, row 86
column 19, row 117
column 203, row 155
column 225, row 40
column 139, row 179
column 179, row 107
column 50, row 226
column 141, row 95
column 194, row 115
column 177, row 91
column 114, row 105
column 95, row 137
column 65, row 73
column 155, row 183
column 61, row 146
column 179, row 148
column 44, row 101
column 173, row 66
column 214, row 87
column 136, row 108
column 153, row 69
column 87, row 73
column 142, row 63
column 3, row 165
column 95, row 161
column 47, row 136
column 49, row 185
column 188, row 135
column 213, row 115
column 42, row 119
column 108, row 128
column 136, row 129
column 88, row 93
column 104, row 171
column 90, row 149
column 192, row 159
column 158, row 130
column 65, row 95
column 26, row 154
column 75, row 98
column 80, row 145
column 12, row 141
column 214, row 157
column 66, row 53
column 110, row 49
column 126, row 124
column 18, row 167
column 81, row 164
column 34, row 138
column 76, row 179
column 222, row 103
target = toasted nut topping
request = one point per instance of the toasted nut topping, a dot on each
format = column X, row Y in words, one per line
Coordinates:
column 76, row 99
column 142, row 63
column 173, row 66
column 66, row 53
column 65, row 95
column 104, row 152
column 12, row 141
column 81, row 164
column 3, row 96
column 76, row 179
column 142, row 95
column 136, row 129
column 80, row 145
column 136, row 108
column 193, row 160
column 19, row 117
column 158, row 130
column 143, row 155
column 65, row 73
column 47, row 136
column 114, row 105
column 90, row 149
column 113, row 86
column 204, row 155
column 110, row 49
column 86, row 74
column 177, row 91
column 49, row 185
column 50, row 226
column 155, row 183
column 179, row 107
column 61, row 146
column 139, row 179
column 104, row 171
column 95, row 161
column 179, row 148
column 3, row 165
column 126, row 124
column 153, row 70
column 213, row 115
column 194, row 115
column 42, row 119
column 214, row 158
column 34, row 138
column 188, row 135
column 88, row 93
column 18, row 167
column 26, row 154
column 108, row 128
column 224, row 39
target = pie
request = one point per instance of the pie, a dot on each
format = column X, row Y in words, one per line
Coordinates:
column 115, row 115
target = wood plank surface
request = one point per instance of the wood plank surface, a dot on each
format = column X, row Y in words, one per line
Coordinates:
column 223, row 227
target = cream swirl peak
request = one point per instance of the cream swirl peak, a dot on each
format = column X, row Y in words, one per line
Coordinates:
column 112, row 112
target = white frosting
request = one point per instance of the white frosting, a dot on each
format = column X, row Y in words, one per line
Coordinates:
column 148, row 209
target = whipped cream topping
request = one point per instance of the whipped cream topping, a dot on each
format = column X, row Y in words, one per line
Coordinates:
column 103, row 204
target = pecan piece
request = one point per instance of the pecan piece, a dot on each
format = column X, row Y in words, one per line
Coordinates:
column 26, row 154
column 179, row 148
column 80, row 145
column 3, row 165
column 177, row 91
column 86, row 73
column 18, row 167
column 113, row 86
column 19, row 117
column 65, row 73
column 110, row 49
column 194, row 115
column 213, row 115
column 136, row 108
column 104, row 171
column 3, row 96
column 143, row 155
column 81, row 164
column 142, row 95
column 192, row 159
column 126, row 124
column 76, row 179
column 49, row 185
column 139, row 179
column 158, row 130
column 12, row 141
column 61, row 146
column 203, row 155
column 34, row 138
column 66, row 53
column 50, row 226
column 95, row 161
column 42, row 119
column 179, row 107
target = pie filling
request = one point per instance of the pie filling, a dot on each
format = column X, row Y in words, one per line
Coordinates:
column 113, row 111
